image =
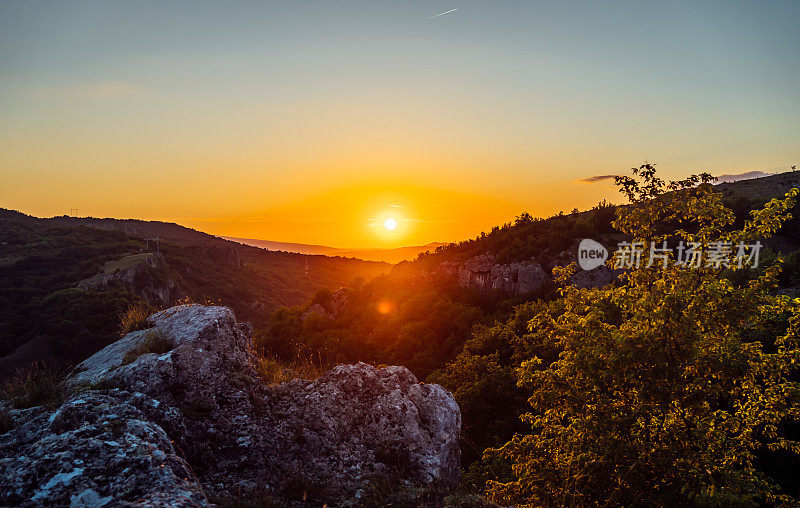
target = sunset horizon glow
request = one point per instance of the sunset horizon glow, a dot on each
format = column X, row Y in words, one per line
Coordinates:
column 319, row 122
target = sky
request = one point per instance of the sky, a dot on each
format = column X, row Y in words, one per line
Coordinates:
column 315, row 122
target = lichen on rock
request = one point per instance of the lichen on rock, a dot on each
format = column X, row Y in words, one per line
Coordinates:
column 173, row 427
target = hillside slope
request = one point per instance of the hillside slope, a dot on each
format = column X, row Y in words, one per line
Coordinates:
column 68, row 279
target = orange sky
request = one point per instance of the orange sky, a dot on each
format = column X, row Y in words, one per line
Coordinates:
column 309, row 122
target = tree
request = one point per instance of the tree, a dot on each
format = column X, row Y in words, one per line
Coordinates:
column 666, row 387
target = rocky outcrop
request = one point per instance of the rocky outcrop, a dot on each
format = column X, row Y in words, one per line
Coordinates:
column 376, row 422
column 145, row 274
column 519, row 278
column 339, row 299
column 317, row 309
column 197, row 406
column 597, row 277
column 485, row 274
column 97, row 449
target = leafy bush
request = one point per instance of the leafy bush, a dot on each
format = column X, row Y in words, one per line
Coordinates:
column 666, row 389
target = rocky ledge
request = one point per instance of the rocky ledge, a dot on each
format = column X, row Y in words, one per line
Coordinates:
column 176, row 415
column 520, row 278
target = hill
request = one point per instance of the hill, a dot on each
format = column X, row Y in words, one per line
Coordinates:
column 77, row 275
column 386, row 255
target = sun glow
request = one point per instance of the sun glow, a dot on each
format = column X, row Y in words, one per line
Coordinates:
column 385, row 306
column 389, row 218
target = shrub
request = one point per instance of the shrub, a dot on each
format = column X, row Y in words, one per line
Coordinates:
column 38, row 385
column 667, row 388
column 154, row 342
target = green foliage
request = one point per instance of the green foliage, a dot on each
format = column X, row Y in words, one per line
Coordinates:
column 665, row 390
column 483, row 381
column 154, row 342
column 529, row 237
column 40, row 264
column 424, row 324
column 260, row 281
column 38, row 385
column 42, row 261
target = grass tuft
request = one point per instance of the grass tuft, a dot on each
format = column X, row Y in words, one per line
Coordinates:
column 6, row 423
column 274, row 371
column 134, row 318
column 261, row 498
column 38, row 385
column 154, row 342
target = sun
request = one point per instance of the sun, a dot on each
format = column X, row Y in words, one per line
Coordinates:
column 390, row 224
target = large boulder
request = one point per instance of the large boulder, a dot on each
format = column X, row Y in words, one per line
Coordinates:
column 335, row 436
column 358, row 423
column 95, row 450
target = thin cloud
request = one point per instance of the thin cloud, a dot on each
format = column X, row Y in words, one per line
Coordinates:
column 597, row 178
column 443, row 13
column 95, row 90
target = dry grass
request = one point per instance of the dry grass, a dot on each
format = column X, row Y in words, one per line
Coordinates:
column 134, row 318
column 38, row 385
column 274, row 371
column 6, row 423
column 154, row 342
column 259, row 499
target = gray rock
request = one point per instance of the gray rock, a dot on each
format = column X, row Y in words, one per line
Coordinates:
column 340, row 299
column 379, row 421
column 95, row 450
column 483, row 273
column 333, row 435
column 318, row 310
column 530, row 278
column 595, row 278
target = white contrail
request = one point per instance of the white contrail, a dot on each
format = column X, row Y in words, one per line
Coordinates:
column 443, row 13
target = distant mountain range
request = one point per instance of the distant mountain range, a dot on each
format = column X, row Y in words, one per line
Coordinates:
column 742, row 176
column 387, row 255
